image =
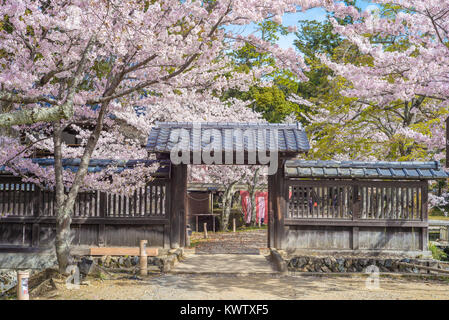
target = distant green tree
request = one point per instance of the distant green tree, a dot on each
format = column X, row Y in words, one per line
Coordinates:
column 315, row 38
column 340, row 126
column 271, row 101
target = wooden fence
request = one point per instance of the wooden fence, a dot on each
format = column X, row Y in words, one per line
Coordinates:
column 338, row 199
column 28, row 216
column 356, row 214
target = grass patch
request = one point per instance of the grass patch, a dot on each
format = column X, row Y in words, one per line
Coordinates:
column 433, row 217
column 240, row 229
column 195, row 242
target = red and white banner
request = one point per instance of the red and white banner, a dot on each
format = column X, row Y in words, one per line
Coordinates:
column 261, row 206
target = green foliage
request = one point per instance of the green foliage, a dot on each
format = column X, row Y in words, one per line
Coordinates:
column 102, row 276
column 344, row 131
column 248, row 57
column 316, row 37
column 323, row 89
column 272, row 101
column 6, row 25
column 437, row 253
column 102, row 68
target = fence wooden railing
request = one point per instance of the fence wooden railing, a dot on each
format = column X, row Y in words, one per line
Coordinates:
column 19, row 199
column 356, row 199
column 28, row 216
column 149, row 201
column 356, row 214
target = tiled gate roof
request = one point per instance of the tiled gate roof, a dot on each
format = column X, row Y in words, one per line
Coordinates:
column 97, row 165
column 291, row 138
column 365, row 170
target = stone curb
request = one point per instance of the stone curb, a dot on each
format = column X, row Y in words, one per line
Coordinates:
column 174, row 256
column 330, row 264
column 163, row 263
column 278, row 261
column 365, row 275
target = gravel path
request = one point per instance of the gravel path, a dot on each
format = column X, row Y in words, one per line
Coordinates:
column 202, row 287
column 244, row 242
column 225, row 263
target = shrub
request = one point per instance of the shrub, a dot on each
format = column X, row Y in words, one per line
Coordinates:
column 437, row 253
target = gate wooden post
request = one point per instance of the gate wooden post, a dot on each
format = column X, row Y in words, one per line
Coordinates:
column 356, row 203
column 424, row 217
column 103, row 214
column 178, row 199
column 271, row 203
column 279, row 205
column 37, row 211
column 168, row 197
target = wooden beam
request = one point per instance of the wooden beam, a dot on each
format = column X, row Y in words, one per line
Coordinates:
column 35, row 230
column 37, row 201
column 356, row 223
column 283, row 193
column 270, row 239
column 178, row 199
column 279, row 191
column 21, row 249
column 89, row 220
column 356, row 204
column 447, row 142
column 121, row 251
column 103, row 214
column 37, row 211
column 168, row 197
column 424, row 230
column 355, row 238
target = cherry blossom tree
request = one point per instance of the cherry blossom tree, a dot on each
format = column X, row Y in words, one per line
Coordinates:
column 415, row 64
column 404, row 78
column 54, row 69
column 254, row 178
column 407, row 46
column 229, row 177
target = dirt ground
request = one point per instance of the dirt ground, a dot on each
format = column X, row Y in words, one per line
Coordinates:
column 242, row 242
column 204, row 287
column 264, row 286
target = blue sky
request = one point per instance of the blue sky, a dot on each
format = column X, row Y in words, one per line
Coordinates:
column 291, row 19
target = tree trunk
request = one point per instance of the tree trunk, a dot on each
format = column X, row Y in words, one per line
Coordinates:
column 65, row 203
column 252, row 197
column 63, row 238
column 63, row 218
column 227, row 206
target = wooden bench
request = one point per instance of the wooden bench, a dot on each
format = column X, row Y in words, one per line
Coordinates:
column 121, row 251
